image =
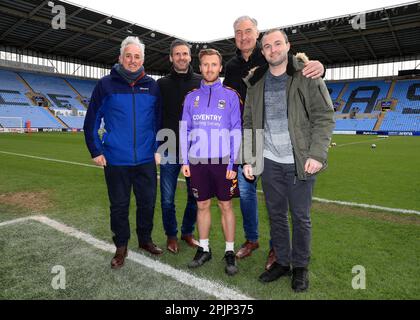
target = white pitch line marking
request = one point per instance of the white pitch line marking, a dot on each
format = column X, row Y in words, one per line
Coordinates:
column 358, row 142
column 50, row 159
column 212, row 288
column 343, row 203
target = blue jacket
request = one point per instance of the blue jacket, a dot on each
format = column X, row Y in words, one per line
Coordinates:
column 131, row 115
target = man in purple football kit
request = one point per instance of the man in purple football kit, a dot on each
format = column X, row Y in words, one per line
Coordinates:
column 210, row 138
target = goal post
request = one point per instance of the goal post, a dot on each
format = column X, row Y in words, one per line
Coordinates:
column 11, row 122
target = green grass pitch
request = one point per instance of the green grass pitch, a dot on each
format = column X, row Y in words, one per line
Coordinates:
column 386, row 244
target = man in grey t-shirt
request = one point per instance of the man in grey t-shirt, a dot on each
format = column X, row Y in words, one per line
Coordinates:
column 277, row 144
column 297, row 119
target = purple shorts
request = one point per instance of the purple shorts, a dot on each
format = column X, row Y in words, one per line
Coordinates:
column 209, row 180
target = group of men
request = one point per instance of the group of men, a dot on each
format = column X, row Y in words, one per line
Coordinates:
column 271, row 117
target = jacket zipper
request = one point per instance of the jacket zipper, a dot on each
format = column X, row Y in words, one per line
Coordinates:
column 134, row 123
column 302, row 99
column 208, row 104
column 287, row 114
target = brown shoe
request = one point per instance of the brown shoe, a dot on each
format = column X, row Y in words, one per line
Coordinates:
column 172, row 245
column 246, row 249
column 270, row 259
column 151, row 248
column 189, row 239
column 119, row 258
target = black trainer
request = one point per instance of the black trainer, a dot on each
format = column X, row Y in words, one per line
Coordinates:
column 276, row 271
column 300, row 279
column 231, row 267
column 200, row 258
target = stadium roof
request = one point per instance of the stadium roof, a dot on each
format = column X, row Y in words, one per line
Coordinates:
column 391, row 33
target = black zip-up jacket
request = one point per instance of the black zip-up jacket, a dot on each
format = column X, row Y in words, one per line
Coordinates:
column 237, row 69
column 173, row 88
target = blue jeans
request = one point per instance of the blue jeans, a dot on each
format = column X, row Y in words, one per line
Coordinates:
column 249, row 206
column 168, row 181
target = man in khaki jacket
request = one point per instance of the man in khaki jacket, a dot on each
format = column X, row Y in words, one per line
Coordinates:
column 288, row 123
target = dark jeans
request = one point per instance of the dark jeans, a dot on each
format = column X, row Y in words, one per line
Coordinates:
column 169, row 174
column 120, row 180
column 282, row 190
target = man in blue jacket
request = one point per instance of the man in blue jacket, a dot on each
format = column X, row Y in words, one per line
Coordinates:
column 128, row 103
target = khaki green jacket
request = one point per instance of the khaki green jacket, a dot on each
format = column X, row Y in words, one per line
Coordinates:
column 310, row 117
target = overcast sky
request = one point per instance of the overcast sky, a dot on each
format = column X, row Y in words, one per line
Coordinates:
column 195, row 20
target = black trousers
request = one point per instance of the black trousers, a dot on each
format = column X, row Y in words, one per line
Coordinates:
column 120, row 181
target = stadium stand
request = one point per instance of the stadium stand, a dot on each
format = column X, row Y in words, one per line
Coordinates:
column 355, row 124
column 55, row 89
column 361, row 105
column 91, row 41
column 12, row 91
column 335, row 89
column 39, row 117
column 84, row 87
column 15, row 103
column 74, row 122
column 359, row 102
column 407, row 92
column 395, row 121
column 364, row 95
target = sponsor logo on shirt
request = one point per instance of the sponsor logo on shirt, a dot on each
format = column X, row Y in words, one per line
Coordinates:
column 207, row 117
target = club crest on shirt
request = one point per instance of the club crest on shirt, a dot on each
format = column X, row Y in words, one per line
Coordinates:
column 221, row 104
column 196, row 102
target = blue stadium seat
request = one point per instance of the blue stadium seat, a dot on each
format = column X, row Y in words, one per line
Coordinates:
column 39, row 117
column 395, row 121
column 355, row 124
column 73, row 121
column 54, row 88
column 84, row 87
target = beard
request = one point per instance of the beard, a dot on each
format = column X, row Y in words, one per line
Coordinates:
column 277, row 61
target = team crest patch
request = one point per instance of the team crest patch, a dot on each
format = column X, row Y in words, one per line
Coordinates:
column 196, row 102
column 221, row 104
column 195, row 192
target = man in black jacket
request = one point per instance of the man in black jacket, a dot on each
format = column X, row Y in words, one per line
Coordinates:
column 173, row 89
column 249, row 56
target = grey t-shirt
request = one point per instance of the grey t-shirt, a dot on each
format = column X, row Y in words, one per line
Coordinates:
column 277, row 144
